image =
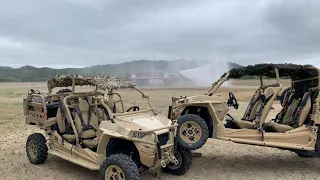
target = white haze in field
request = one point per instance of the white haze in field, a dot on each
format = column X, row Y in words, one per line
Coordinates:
column 207, row 74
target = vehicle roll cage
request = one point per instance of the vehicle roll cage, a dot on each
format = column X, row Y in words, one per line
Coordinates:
column 111, row 92
column 310, row 69
column 105, row 83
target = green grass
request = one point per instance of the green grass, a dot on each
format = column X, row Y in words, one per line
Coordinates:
column 11, row 93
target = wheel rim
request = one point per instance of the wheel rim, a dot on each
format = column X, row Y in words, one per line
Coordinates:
column 190, row 132
column 114, row 172
column 32, row 150
column 173, row 166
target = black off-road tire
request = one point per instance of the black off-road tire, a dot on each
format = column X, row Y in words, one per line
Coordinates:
column 124, row 162
column 203, row 127
column 304, row 154
column 317, row 147
column 184, row 157
column 36, row 148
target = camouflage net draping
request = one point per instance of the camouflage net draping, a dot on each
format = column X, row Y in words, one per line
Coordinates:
column 102, row 82
column 292, row 70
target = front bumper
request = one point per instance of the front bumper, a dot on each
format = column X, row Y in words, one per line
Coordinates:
column 165, row 145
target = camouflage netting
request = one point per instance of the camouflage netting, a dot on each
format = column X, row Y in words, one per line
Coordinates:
column 292, row 70
column 102, row 82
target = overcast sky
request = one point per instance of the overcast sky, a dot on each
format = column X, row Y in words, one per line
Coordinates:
column 69, row 33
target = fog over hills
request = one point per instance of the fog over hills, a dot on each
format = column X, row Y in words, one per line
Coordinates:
column 29, row 73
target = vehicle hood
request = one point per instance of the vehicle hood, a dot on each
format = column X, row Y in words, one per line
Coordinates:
column 203, row 98
column 144, row 122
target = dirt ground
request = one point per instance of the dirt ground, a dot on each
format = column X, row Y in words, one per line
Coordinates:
column 220, row 160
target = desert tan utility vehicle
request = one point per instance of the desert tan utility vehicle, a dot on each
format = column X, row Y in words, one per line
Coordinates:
column 295, row 128
column 88, row 129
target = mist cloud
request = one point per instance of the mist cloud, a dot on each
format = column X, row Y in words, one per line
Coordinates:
column 84, row 32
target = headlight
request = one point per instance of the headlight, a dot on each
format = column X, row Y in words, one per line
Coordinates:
column 138, row 135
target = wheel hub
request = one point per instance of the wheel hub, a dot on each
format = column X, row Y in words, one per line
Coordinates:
column 32, row 149
column 190, row 132
column 114, row 172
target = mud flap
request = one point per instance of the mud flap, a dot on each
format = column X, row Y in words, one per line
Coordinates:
column 175, row 145
column 159, row 150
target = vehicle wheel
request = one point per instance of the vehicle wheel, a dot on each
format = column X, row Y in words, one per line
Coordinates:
column 307, row 154
column 304, row 154
column 119, row 167
column 36, row 148
column 192, row 131
column 184, row 157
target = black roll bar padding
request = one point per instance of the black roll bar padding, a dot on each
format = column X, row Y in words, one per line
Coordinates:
column 159, row 150
column 169, row 112
column 175, row 145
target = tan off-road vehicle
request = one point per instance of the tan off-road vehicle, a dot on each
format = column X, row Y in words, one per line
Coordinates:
column 295, row 127
column 92, row 129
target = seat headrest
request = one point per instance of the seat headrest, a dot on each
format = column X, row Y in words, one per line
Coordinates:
column 268, row 92
column 287, row 97
column 305, row 108
column 259, row 92
column 305, row 95
column 83, row 105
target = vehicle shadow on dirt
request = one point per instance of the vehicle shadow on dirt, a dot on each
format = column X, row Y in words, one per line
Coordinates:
column 67, row 170
column 238, row 166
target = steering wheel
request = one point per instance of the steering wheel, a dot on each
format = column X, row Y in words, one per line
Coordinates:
column 135, row 108
column 232, row 101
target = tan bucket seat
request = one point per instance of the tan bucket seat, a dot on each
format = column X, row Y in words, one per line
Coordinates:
column 298, row 117
column 86, row 123
column 86, row 130
column 269, row 95
column 287, row 111
column 253, row 106
column 63, row 123
column 287, row 97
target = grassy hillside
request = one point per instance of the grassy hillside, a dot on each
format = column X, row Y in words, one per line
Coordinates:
column 33, row 74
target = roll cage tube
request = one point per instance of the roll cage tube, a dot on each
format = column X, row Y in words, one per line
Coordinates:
column 127, row 113
column 215, row 86
column 69, row 117
column 120, row 99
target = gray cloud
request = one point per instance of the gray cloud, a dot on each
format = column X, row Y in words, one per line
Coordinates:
column 84, row 32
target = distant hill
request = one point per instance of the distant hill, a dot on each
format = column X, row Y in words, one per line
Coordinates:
column 32, row 74
column 233, row 65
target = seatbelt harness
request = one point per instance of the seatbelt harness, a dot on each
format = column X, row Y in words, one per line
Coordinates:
column 83, row 124
column 258, row 116
column 67, row 126
column 252, row 103
column 280, row 115
column 90, row 110
column 62, row 113
column 299, row 110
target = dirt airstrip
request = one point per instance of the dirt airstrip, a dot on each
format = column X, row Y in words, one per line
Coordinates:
column 220, row 160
